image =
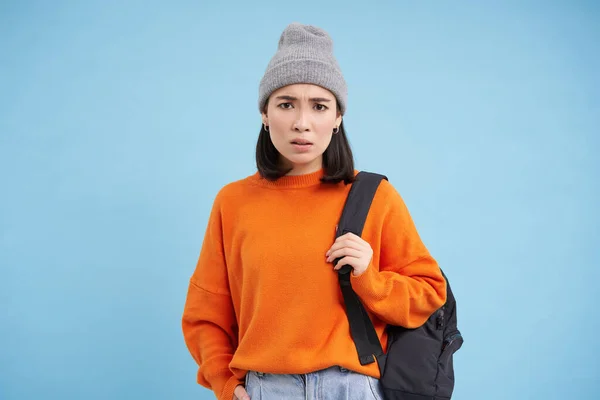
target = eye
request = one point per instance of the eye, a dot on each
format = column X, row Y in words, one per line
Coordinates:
column 321, row 107
column 285, row 106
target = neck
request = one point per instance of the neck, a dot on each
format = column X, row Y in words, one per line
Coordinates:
column 304, row 169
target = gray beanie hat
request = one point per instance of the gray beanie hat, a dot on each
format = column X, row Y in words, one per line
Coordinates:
column 304, row 55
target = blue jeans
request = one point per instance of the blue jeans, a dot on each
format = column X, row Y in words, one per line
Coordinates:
column 334, row 383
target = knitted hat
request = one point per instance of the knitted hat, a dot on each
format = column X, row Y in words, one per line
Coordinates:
column 304, row 55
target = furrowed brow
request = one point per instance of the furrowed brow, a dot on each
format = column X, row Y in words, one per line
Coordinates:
column 313, row 99
column 285, row 97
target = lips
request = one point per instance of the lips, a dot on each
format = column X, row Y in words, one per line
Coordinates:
column 301, row 142
column 301, row 145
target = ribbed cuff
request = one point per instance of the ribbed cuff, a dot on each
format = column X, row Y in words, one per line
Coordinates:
column 230, row 385
column 365, row 285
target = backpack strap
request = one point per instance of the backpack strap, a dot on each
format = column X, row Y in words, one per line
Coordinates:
column 353, row 220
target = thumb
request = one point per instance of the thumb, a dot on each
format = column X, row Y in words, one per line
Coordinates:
column 240, row 393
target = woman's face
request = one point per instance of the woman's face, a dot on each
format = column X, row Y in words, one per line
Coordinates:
column 301, row 119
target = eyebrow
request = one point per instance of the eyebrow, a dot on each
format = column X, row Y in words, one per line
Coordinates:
column 292, row 98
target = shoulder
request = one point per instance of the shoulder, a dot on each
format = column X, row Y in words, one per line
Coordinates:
column 235, row 191
column 387, row 197
column 386, row 188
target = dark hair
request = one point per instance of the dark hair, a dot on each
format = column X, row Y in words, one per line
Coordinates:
column 338, row 161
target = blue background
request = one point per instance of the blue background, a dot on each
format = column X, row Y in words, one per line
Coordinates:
column 119, row 122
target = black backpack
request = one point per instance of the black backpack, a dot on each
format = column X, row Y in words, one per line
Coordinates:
column 418, row 363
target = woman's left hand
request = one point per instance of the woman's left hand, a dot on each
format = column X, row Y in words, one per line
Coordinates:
column 355, row 251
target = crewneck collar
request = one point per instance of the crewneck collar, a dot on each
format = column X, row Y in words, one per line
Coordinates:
column 290, row 181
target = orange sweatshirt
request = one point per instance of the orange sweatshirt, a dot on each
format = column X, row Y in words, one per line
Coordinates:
column 263, row 297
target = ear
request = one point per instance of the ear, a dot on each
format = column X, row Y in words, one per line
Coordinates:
column 264, row 117
column 338, row 119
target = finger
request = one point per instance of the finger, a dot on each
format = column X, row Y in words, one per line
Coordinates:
column 346, row 251
column 352, row 237
column 348, row 260
column 345, row 243
column 354, row 250
column 240, row 393
column 240, row 396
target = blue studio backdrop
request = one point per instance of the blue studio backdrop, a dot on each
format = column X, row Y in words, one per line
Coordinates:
column 120, row 121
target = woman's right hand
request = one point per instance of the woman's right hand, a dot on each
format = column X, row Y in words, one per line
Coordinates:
column 239, row 393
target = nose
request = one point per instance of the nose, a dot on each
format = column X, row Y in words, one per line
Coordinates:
column 301, row 124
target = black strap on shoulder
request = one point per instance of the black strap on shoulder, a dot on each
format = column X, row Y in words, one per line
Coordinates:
column 353, row 220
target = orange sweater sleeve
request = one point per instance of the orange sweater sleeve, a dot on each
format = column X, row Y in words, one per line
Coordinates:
column 403, row 269
column 209, row 323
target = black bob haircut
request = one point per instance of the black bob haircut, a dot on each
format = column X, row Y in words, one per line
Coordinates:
column 338, row 161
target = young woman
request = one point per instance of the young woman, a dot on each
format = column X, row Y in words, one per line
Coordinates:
column 264, row 316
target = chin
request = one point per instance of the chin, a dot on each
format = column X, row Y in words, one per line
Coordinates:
column 301, row 159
